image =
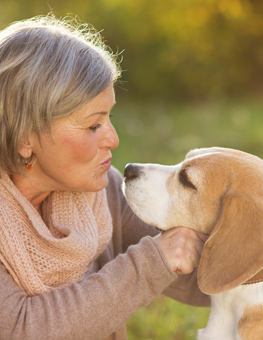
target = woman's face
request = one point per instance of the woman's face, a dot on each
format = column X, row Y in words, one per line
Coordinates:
column 78, row 155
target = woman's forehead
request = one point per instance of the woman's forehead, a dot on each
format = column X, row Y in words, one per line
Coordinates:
column 100, row 105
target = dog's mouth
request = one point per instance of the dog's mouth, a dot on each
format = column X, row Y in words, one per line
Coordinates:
column 161, row 230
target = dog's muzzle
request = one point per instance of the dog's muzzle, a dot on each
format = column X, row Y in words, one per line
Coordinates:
column 132, row 171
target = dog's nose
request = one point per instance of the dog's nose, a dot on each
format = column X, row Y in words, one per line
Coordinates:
column 132, row 171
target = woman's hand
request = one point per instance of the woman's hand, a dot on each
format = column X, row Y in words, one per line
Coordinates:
column 182, row 248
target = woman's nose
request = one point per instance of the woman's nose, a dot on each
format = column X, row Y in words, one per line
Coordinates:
column 112, row 139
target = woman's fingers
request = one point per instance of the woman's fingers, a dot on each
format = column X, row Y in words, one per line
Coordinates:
column 182, row 248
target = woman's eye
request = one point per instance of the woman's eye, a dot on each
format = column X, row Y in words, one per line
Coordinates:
column 98, row 125
column 94, row 128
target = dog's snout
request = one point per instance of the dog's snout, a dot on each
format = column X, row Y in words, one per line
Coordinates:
column 132, row 171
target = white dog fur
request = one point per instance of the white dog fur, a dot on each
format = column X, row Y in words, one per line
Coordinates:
column 219, row 192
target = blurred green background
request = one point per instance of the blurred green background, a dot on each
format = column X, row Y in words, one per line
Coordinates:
column 192, row 77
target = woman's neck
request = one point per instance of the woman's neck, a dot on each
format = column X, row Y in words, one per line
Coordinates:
column 31, row 190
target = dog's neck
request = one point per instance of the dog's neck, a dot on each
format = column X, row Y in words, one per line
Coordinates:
column 255, row 279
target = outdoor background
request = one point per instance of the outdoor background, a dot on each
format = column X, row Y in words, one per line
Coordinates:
column 192, row 77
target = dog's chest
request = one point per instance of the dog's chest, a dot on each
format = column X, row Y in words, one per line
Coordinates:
column 236, row 315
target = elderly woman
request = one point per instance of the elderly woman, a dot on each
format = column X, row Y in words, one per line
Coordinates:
column 75, row 261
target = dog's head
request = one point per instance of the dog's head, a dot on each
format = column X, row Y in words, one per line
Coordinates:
column 216, row 191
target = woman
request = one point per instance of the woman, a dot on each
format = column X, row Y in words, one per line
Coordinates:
column 66, row 270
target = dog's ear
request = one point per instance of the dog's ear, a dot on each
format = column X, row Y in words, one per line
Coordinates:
column 234, row 251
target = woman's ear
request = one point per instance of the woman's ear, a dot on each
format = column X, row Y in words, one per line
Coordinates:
column 25, row 149
column 234, row 251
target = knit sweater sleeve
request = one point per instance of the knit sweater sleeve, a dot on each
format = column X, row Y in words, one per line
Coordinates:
column 92, row 309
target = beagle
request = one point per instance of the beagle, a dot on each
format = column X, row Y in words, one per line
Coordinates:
column 219, row 192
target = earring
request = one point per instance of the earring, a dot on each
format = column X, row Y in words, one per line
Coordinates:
column 28, row 163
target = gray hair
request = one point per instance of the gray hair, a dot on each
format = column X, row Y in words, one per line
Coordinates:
column 48, row 69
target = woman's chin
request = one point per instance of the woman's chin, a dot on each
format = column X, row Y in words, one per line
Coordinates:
column 100, row 183
column 94, row 184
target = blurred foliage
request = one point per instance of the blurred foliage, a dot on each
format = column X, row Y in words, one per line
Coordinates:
column 165, row 319
column 155, row 132
column 183, row 50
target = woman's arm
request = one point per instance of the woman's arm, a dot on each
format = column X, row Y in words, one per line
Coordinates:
column 89, row 310
column 185, row 289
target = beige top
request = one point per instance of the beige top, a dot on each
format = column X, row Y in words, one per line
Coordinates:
column 129, row 277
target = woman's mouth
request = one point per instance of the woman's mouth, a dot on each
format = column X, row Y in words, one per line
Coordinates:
column 107, row 164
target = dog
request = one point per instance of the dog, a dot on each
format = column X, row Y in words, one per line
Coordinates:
column 219, row 192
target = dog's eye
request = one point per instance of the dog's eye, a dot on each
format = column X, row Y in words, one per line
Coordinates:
column 185, row 180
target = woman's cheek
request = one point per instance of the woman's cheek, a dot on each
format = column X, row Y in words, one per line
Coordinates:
column 81, row 146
